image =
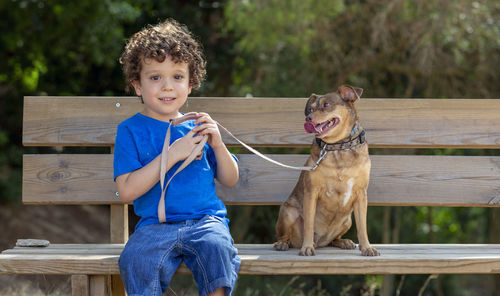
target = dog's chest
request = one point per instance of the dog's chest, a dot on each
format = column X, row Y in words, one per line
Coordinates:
column 338, row 191
column 340, row 177
column 340, row 183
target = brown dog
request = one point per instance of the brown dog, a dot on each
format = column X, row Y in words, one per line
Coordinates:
column 318, row 211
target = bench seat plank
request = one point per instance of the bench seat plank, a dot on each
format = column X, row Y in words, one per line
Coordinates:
column 402, row 180
column 263, row 259
column 92, row 121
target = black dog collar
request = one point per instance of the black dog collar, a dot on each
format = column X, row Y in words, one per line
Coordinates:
column 360, row 139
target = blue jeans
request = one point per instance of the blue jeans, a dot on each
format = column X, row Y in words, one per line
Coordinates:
column 154, row 252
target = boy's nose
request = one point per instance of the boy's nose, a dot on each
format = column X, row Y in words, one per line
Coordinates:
column 166, row 86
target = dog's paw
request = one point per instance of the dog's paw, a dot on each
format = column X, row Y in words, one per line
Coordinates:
column 307, row 251
column 344, row 243
column 370, row 252
column 281, row 246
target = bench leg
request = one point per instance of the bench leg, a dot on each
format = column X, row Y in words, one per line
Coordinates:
column 90, row 285
column 118, row 235
column 118, row 224
column 100, row 285
column 80, row 285
column 117, row 286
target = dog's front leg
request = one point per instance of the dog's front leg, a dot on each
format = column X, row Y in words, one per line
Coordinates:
column 309, row 208
column 360, row 210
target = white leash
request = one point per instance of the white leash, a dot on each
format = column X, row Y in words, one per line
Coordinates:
column 303, row 168
column 163, row 169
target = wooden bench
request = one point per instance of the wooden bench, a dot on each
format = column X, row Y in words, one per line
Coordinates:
column 397, row 180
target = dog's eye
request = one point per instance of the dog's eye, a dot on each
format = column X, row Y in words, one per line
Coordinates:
column 326, row 105
column 310, row 110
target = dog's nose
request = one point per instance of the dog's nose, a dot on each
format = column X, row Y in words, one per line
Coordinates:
column 309, row 117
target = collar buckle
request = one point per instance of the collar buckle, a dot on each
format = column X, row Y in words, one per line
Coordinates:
column 322, row 155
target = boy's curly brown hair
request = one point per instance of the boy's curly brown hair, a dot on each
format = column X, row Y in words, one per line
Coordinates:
column 168, row 38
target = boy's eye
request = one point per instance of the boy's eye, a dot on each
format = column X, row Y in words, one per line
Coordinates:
column 178, row 77
column 155, row 77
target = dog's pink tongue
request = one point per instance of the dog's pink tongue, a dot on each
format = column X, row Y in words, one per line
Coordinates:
column 309, row 127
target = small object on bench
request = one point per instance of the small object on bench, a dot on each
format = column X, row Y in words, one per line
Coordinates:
column 32, row 243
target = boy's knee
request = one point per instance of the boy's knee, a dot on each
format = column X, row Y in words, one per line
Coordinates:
column 126, row 261
column 219, row 245
column 130, row 260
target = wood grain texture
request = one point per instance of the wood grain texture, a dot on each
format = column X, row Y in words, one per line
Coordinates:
column 395, row 180
column 69, row 177
column 99, row 285
column 92, row 121
column 118, row 224
column 263, row 259
column 80, row 285
column 406, row 180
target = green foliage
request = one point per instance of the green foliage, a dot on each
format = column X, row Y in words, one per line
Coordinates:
column 389, row 48
column 61, row 41
column 57, row 48
column 10, row 173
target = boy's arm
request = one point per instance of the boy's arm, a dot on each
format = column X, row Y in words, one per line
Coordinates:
column 227, row 168
column 136, row 183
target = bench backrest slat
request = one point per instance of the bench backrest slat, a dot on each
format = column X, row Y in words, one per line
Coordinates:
column 395, row 180
column 276, row 122
column 92, row 121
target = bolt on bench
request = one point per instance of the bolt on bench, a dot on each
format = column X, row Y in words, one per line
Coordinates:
column 396, row 180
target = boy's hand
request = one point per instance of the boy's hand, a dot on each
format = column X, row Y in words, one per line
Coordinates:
column 182, row 147
column 208, row 127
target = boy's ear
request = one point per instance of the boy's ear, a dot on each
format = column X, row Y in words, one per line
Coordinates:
column 137, row 87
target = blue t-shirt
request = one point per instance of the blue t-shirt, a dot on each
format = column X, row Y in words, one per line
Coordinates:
column 190, row 194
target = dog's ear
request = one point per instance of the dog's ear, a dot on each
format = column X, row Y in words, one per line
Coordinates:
column 313, row 96
column 311, row 99
column 349, row 93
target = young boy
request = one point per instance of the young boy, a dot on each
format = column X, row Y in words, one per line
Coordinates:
column 163, row 63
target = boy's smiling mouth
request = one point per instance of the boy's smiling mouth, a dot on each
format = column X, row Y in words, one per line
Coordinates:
column 166, row 99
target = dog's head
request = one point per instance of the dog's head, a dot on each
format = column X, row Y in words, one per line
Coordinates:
column 332, row 116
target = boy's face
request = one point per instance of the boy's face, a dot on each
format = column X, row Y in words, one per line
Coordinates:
column 164, row 87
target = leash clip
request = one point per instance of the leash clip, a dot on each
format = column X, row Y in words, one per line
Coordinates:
column 322, row 155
